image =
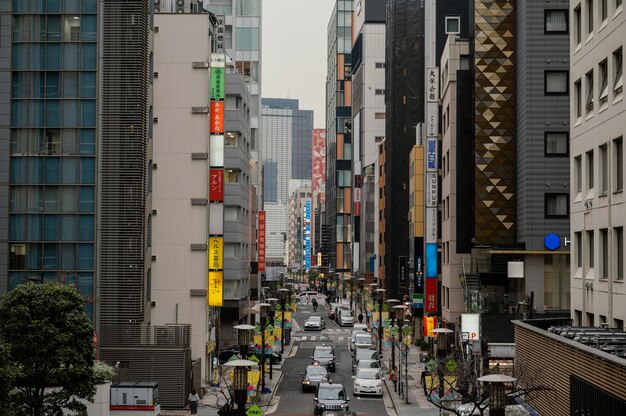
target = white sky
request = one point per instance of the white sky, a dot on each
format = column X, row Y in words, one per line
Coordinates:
column 294, row 52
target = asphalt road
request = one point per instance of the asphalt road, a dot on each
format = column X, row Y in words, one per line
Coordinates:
column 292, row 402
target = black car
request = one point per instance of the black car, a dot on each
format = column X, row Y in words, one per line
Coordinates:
column 339, row 413
column 324, row 355
column 330, row 396
column 312, row 376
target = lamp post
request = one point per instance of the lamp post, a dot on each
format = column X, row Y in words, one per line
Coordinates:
column 283, row 294
column 381, row 294
column 361, row 287
column 497, row 393
column 240, row 381
column 393, row 340
column 264, row 307
column 243, row 332
column 404, row 348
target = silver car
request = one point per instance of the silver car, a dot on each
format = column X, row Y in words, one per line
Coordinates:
column 312, row 377
column 346, row 318
column 314, row 323
column 365, row 365
column 361, row 339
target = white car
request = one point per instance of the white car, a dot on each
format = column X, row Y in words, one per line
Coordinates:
column 368, row 381
column 346, row 318
column 314, row 323
column 361, row 340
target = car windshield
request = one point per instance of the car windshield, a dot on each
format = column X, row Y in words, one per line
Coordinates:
column 346, row 314
column 323, row 353
column 315, row 319
column 368, row 375
column 316, row 371
column 363, row 338
column 366, row 354
column 331, row 394
column 368, row 364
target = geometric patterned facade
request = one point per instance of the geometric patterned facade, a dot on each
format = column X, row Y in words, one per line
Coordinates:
column 494, row 118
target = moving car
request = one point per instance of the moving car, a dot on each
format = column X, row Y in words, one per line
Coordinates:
column 301, row 297
column 324, row 355
column 368, row 381
column 365, row 364
column 339, row 413
column 312, row 376
column 314, row 323
column 361, row 340
column 330, row 396
column 346, row 318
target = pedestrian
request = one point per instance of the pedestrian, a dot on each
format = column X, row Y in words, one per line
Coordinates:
column 308, row 299
column 193, row 401
column 314, row 304
column 360, row 317
column 393, row 377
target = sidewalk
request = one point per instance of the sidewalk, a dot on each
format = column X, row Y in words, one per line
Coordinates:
column 417, row 404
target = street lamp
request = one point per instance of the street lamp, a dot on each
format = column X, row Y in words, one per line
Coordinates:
column 381, row 294
column 283, row 294
column 264, row 312
column 240, row 381
column 243, row 331
column 361, row 287
column 400, row 309
column 393, row 341
column 497, row 393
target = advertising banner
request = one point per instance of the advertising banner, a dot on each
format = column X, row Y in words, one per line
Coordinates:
column 430, row 302
column 216, row 253
column 216, row 117
column 319, row 160
column 431, row 261
column 431, row 154
column 261, row 242
column 432, row 84
column 432, row 185
column 216, row 185
column 430, row 323
column 431, row 225
column 217, row 83
column 216, row 288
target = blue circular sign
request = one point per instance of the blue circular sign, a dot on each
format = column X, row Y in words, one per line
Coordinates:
column 552, row 241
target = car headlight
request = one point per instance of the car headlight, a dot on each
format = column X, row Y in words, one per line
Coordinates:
column 344, row 405
column 306, row 381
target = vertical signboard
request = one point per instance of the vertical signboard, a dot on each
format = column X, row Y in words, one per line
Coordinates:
column 261, row 242
column 418, row 283
column 432, row 84
column 318, row 171
column 431, row 189
column 430, row 323
column 430, row 301
column 307, row 235
column 215, row 258
column 470, row 327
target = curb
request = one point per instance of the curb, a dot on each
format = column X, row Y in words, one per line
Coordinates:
column 272, row 394
column 393, row 401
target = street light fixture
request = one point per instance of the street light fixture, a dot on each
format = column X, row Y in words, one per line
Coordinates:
column 393, row 342
column 264, row 309
column 240, row 381
column 283, row 291
column 400, row 309
column 243, row 331
column 497, row 393
column 381, row 294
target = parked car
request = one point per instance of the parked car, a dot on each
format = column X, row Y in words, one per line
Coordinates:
column 324, row 355
column 346, row 317
column 364, row 354
column 361, row 339
column 335, row 310
column 330, row 396
column 312, row 376
column 365, row 364
column 339, row 413
column 368, row 381
column 314, row 323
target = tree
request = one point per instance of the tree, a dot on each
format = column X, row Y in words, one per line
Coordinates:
column 6, row 378
column 50, row 345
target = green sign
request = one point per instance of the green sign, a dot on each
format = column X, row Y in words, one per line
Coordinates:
column 431, row 365
column 217, row 83
column 254, row 410
column 253, row 358
column 451, row 366
column 278, row 307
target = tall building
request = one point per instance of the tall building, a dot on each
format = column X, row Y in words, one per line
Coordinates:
column 597, row 201
column 368, row 113
column 287, row 132
column 404, row 88
column 299, row 229
column 339, row 139
column 276, row 232
column 318, row 186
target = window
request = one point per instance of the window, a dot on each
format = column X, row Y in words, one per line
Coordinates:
column 380, row 65
column 556, row 82
column 604, row 81
column 453, row 25
column 618, row 147
column 379, row 91
column 604, row 10
column 590, row 249
column 379, row 116
column 604, row 253
column 231, row 175
column 618, row 70
column 247, row 38
column 578, row 25
column 578, row 96
column 578, row 171
column 556, row 143
column 589, row 97
column 589, row 11
column 556, row 205
column 248, row 8
column 590, row 168
column 556, row 21
column 604, row 169
column 619, row 253
column 578, row 239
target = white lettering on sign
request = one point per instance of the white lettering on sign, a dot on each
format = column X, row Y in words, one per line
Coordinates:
column 566, row 241
column 431, row 189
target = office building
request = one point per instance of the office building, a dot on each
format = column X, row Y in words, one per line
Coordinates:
column 276, row 232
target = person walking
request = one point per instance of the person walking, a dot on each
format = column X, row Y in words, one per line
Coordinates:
column 360, row 317
column 394, row 378
column 193, row 401
column 314, row 305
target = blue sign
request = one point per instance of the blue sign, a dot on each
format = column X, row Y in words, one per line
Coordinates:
column 307, row 235
column 552, row 241
column 431, row 153
column 431, row 260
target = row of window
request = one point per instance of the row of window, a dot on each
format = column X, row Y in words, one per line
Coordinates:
column 597, row 11
column 53, row 170
column 53, row 113
column 55, row 6
column 53, row 84
column 53, row 56
column 52, row 199
column 53, row 142
column 588, row 97
column 611, row 247
column 610, row 168
column 590, row 321
column 53, row 227
column 54, row 28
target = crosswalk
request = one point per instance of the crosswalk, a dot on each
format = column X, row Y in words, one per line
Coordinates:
column 335, row 334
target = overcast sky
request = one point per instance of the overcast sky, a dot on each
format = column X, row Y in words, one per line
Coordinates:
column 294, row 52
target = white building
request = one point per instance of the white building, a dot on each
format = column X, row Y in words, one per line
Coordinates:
column 598, row 201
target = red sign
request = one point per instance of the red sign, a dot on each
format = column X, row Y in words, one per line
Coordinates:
column 430, row 296
column 217, row 117
column 261, row 242
column 319, row 159
column 216, row 185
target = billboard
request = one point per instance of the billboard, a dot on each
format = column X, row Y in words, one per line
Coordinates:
column 216, row 123
column 430, row 301
column 430, row 323
column 216, row 253
column 215, row 291
column 216, row 185
column 261, row 242
column 307, row 235
column 470, row 327
column 318, row 171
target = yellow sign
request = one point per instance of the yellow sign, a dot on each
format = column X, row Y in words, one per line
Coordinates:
column 216, row 288
column 216, row 253
column 430, row 323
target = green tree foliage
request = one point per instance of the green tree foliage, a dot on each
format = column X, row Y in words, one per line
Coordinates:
column 6, row 378
column 50, row 345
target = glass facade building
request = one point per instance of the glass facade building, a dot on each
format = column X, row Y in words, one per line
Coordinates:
column 52, row 151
